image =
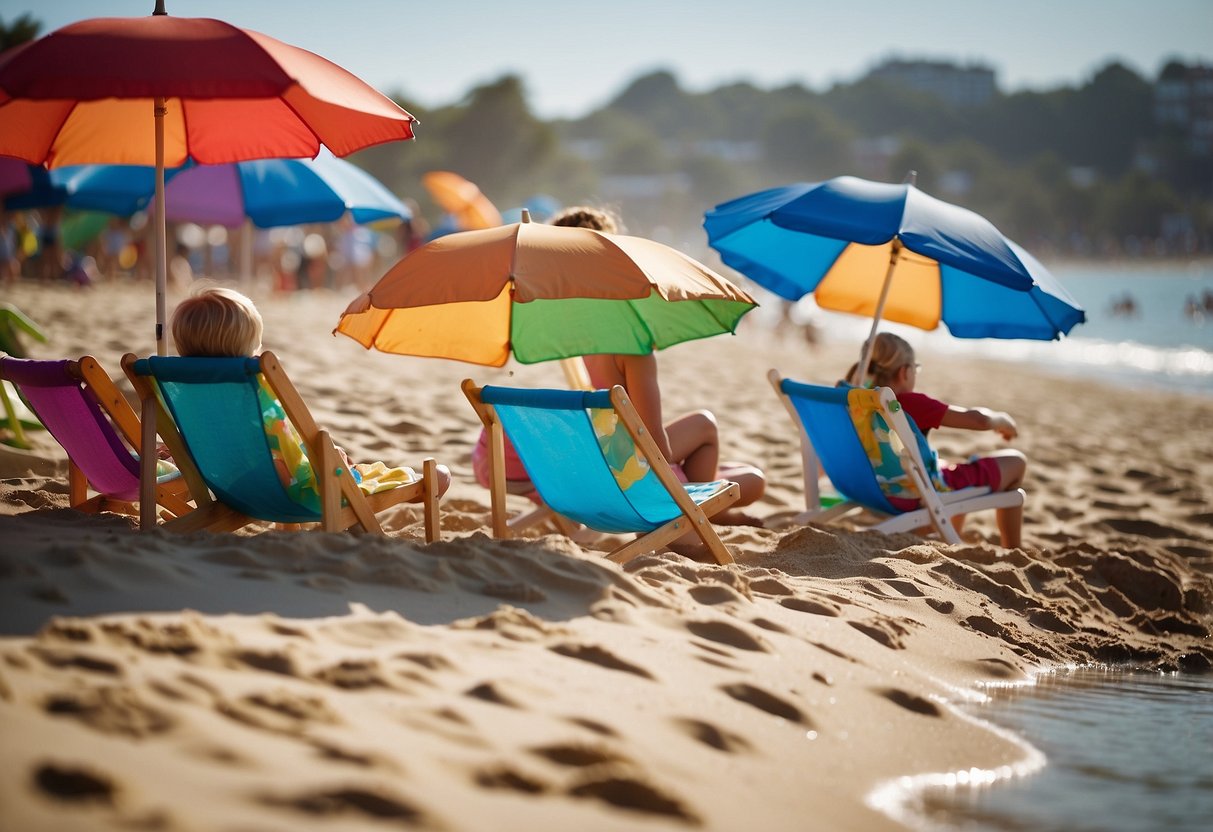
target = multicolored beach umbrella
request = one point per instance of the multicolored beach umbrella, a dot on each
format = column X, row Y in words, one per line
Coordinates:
column 541, row 292
column 162, row 90
column 891, row 251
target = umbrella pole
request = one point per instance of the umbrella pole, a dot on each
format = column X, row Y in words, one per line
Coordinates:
column 147, row 441
column 884, row 296
column 161, row 234
column 246, row 253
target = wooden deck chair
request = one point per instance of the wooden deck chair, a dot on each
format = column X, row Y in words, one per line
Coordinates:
column 86, row 413
column 211, row 408
column 829, row 438
column 594, row 462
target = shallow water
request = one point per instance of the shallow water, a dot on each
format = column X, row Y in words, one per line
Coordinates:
column 1126, row 752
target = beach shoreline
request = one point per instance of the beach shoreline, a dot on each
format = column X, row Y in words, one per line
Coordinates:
column 276, row 679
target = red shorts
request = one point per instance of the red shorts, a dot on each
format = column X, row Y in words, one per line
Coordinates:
column 982, row 471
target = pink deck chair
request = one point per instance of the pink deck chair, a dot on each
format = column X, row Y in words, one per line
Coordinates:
column 86, row 413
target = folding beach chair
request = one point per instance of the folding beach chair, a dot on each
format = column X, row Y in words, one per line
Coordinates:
column 212, row 407
column 593, row 461
column 830, row 438
column 79, row 405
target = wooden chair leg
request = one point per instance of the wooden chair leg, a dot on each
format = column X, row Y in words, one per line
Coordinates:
column 77, row 485
column 433, row 521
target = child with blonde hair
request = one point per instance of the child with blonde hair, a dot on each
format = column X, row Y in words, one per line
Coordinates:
column 218, row 322
column 892, row 364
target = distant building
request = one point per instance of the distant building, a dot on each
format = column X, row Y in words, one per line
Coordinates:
column 960, row 86
column 1183, row 97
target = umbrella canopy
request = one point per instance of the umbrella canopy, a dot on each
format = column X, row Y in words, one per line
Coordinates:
column 268, row 192
column 541, row 292
column 461, row 199
column 891, row 251
column 161, row 90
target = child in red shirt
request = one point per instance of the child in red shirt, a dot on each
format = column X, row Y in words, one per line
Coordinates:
column 892, row 365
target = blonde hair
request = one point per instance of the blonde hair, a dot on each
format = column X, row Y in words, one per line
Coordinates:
column 889, row 354
column 217, row 322
column 585, row 216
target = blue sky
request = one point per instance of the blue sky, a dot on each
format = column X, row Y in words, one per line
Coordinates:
column 574, row 57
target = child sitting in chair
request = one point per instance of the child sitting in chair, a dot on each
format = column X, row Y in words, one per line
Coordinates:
column 217, row 322
column 892, row 365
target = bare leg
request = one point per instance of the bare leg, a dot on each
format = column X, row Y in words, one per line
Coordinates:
column 695, row 444
column 1012, row 466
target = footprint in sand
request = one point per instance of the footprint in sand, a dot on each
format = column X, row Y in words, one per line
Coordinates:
column 279, row 711
column 76, row 660
column 811, row 606
column 111, row 710
column 76, row 784
column 1141, row 528
column 884, row 631
column 712, row 735
column 767, row 624
column 634, row 794
column 504, row 777
column 766, row 701
column 347, row 802
column 712, row 594
column 910, row 701
column 594, row 725
column 723, row 632
column 1205, row 518
column 600, row 656
column 577, row 755
column 770, row 586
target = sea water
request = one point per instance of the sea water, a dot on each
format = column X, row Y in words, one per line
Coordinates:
column 1160, row 345
column 1124, row 752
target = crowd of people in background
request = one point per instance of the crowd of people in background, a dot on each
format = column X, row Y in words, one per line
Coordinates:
column 336, row 255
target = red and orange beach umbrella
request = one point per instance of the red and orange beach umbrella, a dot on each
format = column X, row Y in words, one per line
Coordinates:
column 160, row 90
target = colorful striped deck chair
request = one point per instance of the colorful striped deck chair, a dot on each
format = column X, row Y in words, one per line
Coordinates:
column 79, row 405
column 830, row 438
column 592, row 461
column 214, row 407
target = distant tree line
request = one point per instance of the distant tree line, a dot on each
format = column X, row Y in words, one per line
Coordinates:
column 1072, row 171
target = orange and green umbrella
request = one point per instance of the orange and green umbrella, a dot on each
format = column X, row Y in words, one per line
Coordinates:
column 540, row 293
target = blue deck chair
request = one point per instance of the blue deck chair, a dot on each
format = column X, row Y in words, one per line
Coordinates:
column 86, row 413
column 592, row 461
column 830, row 440
column 212, row 406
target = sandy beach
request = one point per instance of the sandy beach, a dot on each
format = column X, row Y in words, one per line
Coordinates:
column 278, row 680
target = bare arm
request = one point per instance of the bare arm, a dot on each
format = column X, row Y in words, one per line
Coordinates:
column 980, row 418
column 640, row 379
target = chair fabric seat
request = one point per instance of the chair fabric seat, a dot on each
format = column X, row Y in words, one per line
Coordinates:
column 68, row 409
column 582, row 461
column 825, row 417
column 215, row 404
